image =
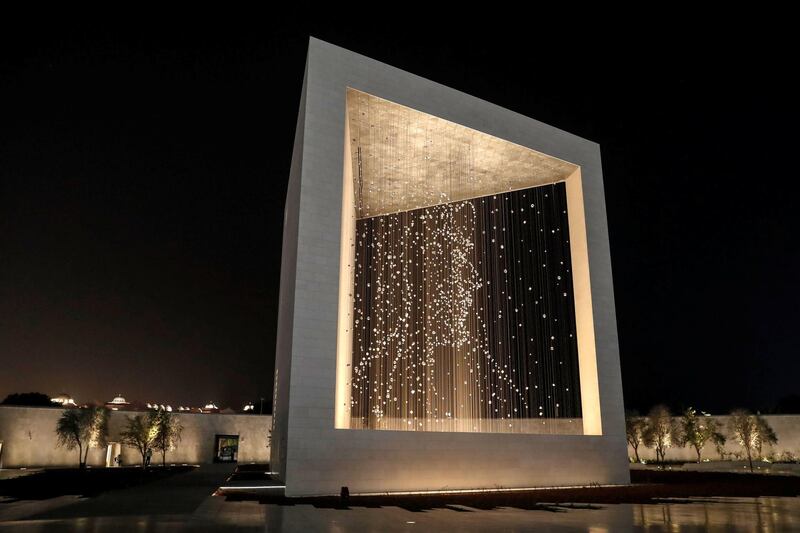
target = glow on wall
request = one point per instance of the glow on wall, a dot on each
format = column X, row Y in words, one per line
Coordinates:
column 459, row 306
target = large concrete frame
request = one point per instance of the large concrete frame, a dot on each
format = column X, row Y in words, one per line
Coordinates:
column 310, row 454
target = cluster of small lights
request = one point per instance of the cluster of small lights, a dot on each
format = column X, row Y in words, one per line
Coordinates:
column 65, row 401
column 162, row 407
column 464, row 317
column 180, row 408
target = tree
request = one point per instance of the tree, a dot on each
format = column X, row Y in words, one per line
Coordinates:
column 98, row 427
column 751, row 432
column 140, row 433
column 719, row 445
column 83, row 429
column 635, row 427
column 168, row 433
column 697, row 431
column 661, row 432
column 766, row 435
column 70, row 432
column 33, row 399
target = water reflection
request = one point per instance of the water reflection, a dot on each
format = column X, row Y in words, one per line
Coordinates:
column 674, row 516
column 720, row 514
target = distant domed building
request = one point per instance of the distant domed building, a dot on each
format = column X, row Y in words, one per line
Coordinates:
column 210, row 407
column 118, row 403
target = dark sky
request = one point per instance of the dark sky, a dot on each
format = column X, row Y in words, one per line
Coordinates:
column 143, row 174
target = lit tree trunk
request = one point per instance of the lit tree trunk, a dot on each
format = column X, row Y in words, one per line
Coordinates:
column 697, row 449
column 80, row 455
column 749, row 458
column 164, row 458
column 636, row 452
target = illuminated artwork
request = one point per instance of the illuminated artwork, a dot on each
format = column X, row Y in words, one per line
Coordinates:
column 463, row 315
column 446, row 294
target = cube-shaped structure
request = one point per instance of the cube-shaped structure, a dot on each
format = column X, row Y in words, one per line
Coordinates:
column 446, row 317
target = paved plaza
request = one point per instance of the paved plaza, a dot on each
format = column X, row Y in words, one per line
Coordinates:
column 186, row 502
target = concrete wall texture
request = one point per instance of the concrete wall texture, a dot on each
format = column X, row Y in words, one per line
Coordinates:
column 29, row 439
column 787, row 429
column 312, row 456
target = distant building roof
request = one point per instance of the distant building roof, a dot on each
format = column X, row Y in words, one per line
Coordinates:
column 63, row 399
column 119, row 400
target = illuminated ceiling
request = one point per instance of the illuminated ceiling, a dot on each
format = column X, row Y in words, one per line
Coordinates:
column 405, row 159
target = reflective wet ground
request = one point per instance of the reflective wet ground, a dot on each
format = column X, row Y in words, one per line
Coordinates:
column 185, row 502
column 217, row 514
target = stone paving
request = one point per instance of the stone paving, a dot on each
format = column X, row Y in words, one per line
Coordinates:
column 185, row 503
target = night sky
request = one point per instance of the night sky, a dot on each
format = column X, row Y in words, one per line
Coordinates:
column 143, row 175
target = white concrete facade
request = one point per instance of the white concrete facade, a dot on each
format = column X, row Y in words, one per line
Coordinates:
column 311, row 455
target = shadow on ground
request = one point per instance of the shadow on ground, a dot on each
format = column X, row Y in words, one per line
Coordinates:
column 88, row 482
column 177, row 494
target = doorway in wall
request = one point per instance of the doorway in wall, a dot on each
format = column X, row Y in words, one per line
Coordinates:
column 226, row 449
